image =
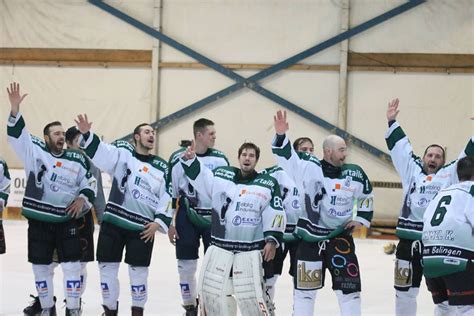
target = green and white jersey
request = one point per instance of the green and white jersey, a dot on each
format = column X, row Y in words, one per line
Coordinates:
column 4, row 184
column 199, row 205
column 448, row 231
column 245, row 212
column 291, row 199
column 419, row 188
column 139, row 193
column 328, row 202
column 53, row 182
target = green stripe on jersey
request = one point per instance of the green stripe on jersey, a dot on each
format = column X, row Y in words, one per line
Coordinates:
column 15, row 131
column 284, row 152
column 193, row 170
column 92, row 148
column 394, row 137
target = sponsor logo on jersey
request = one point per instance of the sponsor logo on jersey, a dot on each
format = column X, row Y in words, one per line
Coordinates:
column 59, row 164
column 258, row 194
column 309, row 275
column 347, row 183
column 62, row 180
column 149, row 172
column 139, row 182
column 139, row 292
column 346, row 187
column 137, row 195
column 210, row 166
column 430, row 189
column 73, row 288
column 336, row 213
column 246, row 221
column 353, row 173
column 295, row 204
column 245, row 207
column 277, row 221
column 54, row 187
column 423, row 202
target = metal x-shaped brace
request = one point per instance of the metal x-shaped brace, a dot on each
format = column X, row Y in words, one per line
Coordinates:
column 252, row 81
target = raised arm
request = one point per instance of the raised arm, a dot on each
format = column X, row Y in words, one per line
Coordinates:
column 284, row 153
column 104, row 156
column 15, row 98
column 399, row 145
column 18, row 135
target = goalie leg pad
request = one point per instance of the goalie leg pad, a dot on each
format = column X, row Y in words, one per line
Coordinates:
column 214, row 280
column 249, row 285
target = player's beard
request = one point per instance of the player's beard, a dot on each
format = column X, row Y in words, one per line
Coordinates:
column 56, row 147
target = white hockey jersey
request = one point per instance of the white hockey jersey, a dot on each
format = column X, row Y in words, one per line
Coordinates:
column 291, row 199
column 419, row 188
column 448, row 231
column 139, row 192
column 329, row 202
column 199, row 205
column 4, row 184
column 245, row 212
column 53, row 182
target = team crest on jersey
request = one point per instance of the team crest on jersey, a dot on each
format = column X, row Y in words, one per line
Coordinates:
column 347, row 182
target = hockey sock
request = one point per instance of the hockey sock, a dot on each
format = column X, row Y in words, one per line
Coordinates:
column 465, row 310
column 83, row 277
column 303, row 302
column 349, row 304
column 270, row 286
column 138, row 284
column 72, row 283
column 109, row 283
column 44, row 284
column 443, row 309
column 405, row 302
column 187, row 281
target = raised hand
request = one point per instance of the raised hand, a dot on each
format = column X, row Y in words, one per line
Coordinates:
column 15, row 98
column 392, row 110
column 83, row 124
column 280, row 123
column 190, row 152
